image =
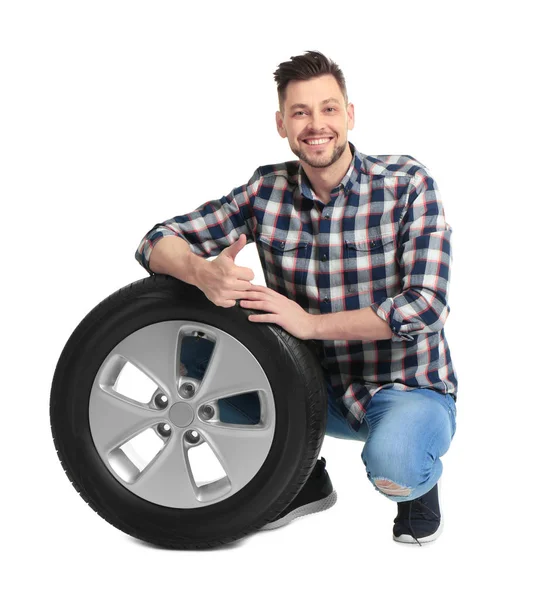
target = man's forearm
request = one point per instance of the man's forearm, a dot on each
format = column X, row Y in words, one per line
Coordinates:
column 172, row 255
column 361, row 324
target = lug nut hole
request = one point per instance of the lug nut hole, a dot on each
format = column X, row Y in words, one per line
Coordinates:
column 161, row 401
column 207, row 411
column 164, row 429
column 187, row 390
column 192, row 436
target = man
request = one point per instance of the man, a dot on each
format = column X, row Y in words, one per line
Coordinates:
column 356, row 254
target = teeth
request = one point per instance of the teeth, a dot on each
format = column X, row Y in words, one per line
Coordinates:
column 320, row 141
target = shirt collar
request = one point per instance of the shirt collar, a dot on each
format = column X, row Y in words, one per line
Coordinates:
column 347, row 182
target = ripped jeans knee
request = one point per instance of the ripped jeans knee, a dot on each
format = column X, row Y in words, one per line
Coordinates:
column 391, row 488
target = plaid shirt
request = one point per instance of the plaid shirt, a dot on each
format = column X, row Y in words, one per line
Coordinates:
column 381, row 241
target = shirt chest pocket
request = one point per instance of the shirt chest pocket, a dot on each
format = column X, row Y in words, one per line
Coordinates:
column 369, row 246
column 370, row 262
column 286, row 253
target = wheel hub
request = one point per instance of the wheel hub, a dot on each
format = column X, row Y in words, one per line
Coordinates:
column 181, row 414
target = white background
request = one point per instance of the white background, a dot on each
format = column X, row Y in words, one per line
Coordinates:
column 117, row 115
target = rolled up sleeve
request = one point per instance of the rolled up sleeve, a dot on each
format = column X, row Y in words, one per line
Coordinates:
column 211, row 227
column 424, row 258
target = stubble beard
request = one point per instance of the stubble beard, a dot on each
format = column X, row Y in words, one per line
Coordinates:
column 320, row 162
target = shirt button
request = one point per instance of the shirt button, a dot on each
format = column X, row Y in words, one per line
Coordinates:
column 372, row 244
column 282, row 244
column 326, row 299
column 324, row 257
column 327, row 217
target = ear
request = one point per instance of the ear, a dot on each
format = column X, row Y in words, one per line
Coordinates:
column 279, row 125
column 351, row 118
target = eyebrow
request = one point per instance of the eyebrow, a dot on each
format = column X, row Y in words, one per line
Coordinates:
column 323, row 102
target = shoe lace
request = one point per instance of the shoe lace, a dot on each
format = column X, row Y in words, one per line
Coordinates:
column 418, row 509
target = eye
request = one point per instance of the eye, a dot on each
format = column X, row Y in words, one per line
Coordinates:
column 298, row 112
column 330, row 108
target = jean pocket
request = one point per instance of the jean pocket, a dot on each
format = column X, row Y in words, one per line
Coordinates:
column 452, row 411
column 447, row 402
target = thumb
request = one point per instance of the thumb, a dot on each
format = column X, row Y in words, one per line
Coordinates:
column 236, row 247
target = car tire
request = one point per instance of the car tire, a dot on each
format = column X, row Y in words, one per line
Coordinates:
column 294, row 373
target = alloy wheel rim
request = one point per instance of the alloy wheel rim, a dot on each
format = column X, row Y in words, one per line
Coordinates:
column 184, row 414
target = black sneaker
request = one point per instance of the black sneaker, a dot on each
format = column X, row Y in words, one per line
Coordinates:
column 317, row 494
column 418, row 520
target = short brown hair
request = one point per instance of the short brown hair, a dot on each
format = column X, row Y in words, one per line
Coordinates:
column 304, row 67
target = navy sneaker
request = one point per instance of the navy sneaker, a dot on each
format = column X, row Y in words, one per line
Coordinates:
column 317, row 494
column 419, row 520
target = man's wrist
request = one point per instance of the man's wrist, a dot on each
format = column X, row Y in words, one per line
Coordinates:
column 188, row 269
column 195, row 268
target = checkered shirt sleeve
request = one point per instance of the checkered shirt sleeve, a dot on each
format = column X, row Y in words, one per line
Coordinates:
column 211, row 227
column 424, row 256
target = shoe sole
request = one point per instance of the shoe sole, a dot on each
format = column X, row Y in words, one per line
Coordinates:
column 409, row 539
column 301, row 511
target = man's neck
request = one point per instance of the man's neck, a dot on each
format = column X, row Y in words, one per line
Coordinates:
column 325, row 179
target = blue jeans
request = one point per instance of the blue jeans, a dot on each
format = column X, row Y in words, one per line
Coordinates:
column 405, row 432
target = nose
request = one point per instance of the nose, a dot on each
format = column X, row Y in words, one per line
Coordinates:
column 316, row 122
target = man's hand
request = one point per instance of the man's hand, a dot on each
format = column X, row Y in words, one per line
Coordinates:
column 221, row 280
column 284, row 312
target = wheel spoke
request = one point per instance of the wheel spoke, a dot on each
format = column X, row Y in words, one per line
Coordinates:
column 169, row 479
column 241, row 449
column 232, row 370
column 153, row 350
column 114, row 420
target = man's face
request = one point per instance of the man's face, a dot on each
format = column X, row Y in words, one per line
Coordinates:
column 316, row 120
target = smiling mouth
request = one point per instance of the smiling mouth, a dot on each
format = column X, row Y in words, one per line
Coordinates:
column 318, row 142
